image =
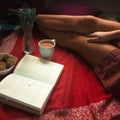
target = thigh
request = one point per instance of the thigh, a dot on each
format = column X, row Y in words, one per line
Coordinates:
column 63, row 38
column 92, row 52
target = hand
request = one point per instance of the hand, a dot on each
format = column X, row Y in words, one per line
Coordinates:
column 99, row 37
column 103, row 37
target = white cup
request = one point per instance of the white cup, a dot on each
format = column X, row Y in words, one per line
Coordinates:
column 46, row 48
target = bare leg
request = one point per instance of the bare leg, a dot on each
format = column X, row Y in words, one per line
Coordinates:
column 80, row 24
column 72, row 34
column 92, row 52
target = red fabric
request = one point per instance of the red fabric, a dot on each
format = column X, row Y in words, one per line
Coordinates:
column 103, row 110
column 77, row 86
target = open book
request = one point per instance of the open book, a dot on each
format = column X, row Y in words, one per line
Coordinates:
column 30, row 85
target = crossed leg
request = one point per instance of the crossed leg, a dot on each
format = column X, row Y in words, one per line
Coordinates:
column 92, row 52
column 80, row 24
column 72, row 32
column 59, row 28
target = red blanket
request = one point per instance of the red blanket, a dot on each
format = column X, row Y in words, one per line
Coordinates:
column 78, row 94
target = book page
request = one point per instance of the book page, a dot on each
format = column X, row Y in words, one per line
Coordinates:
column 26, row 91
column 39, row 69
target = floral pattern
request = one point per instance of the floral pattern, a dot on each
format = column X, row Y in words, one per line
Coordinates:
column 103, row 110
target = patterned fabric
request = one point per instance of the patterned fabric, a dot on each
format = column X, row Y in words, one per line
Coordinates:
column 77, row 95
column 109, row 72
column 103, row 110
column 8, row 43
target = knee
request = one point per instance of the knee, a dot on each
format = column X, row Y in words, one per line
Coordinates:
column 90, row 20
column 87, row 24
column 90, row 17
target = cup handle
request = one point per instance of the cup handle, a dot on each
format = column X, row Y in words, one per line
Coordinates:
column 53, row 40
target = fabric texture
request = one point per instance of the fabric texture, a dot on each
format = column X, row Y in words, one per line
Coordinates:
column 73, row 8
column 93, row 111
column 109, row 72
column 7, row 41
column 76, row 96
column 77, row 86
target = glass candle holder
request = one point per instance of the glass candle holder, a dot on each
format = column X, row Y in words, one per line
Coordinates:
column 28, row 42
column 27, row 17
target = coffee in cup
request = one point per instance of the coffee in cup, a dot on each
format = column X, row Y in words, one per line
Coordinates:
column 46, row 48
